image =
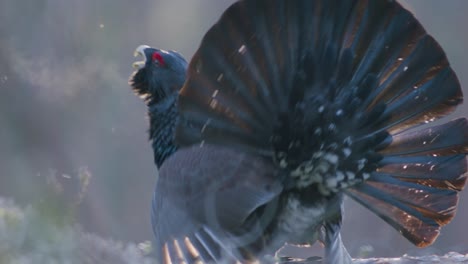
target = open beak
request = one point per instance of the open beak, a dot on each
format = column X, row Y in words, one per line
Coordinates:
column 140, row 51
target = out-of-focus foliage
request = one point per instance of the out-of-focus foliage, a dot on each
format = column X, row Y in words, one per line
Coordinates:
column 31, row 236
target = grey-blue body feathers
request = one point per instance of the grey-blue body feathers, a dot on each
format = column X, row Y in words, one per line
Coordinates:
column 287, row 106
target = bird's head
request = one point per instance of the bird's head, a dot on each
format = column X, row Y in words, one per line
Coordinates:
column 160, row 74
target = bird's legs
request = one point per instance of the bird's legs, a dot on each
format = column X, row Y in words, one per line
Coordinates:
column 335, row 251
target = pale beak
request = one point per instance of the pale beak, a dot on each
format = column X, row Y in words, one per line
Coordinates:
column 140, row 51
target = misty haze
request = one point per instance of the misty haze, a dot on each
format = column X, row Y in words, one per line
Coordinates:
column 72, row 129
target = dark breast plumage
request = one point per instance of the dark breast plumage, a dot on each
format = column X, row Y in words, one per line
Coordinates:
column 289, row 105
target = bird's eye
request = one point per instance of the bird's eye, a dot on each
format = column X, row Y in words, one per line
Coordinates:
column 157, row 57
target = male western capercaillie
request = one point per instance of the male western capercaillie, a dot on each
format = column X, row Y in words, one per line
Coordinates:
column 287, row 106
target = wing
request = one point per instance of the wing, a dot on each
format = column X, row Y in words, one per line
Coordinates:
column 203, row 199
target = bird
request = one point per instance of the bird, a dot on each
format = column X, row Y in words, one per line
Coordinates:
column 288, row 106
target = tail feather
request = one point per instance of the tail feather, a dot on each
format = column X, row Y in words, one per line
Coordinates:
column 415, row 188
column 447, row 172
column 379, row 35
column 409, row 65
column 424, row 104
column 447, row 139
column 413, row 202
column 265, row 52
column 431, row 202
column 248, row 109
column 416, row 67
column 412, row 224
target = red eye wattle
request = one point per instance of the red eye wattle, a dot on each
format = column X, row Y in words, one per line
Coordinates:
column 158, row 57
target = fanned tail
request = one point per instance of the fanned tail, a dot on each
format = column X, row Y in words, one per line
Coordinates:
column 415, row 184
column 333, row 91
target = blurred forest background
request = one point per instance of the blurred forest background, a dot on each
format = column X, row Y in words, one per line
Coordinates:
column 72, row 132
